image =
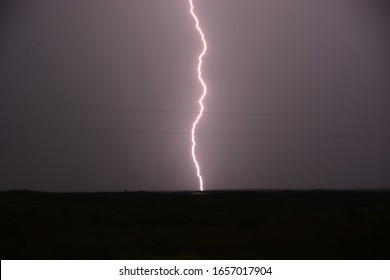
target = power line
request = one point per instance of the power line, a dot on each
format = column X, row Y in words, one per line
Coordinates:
column 188, row 133
column 191, row 112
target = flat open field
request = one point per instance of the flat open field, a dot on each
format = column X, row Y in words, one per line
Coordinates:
column 185, row 225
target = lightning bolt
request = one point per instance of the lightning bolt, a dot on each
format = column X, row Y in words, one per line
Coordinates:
column 201, row 98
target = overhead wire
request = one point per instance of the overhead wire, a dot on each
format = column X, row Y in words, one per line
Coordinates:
column 188, row 133
column 72, row 107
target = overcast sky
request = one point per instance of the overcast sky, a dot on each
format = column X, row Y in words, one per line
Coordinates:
column 310, row 64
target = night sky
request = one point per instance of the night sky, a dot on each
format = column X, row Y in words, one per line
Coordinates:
column 299, row 94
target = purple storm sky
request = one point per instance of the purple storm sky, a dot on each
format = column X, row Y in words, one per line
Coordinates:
column 279, row 57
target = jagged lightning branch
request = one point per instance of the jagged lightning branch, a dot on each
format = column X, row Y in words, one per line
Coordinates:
column 202, row 97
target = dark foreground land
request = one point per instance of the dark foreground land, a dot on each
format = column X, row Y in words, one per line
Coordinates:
column 211, row 225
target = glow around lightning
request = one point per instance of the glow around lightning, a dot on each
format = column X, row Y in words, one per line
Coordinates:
column 201, row 98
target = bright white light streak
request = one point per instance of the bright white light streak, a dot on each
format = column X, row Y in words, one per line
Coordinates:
column 193, row 132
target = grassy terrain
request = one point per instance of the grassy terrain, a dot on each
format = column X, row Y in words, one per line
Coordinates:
column 211, row 225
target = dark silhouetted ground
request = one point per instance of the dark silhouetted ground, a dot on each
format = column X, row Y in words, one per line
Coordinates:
column 211, row 225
